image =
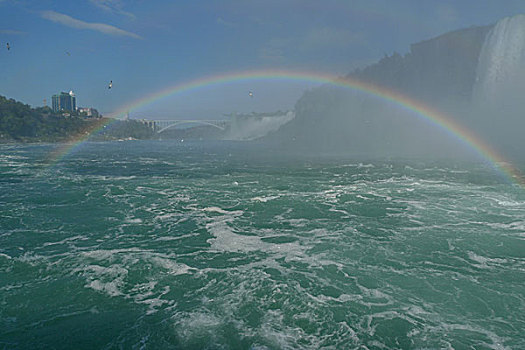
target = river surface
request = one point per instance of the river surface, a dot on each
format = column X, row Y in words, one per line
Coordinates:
column 170, row 245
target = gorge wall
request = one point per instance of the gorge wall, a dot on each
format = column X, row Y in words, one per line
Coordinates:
column 451, row 73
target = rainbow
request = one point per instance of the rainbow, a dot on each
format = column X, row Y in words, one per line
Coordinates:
column 429, row 114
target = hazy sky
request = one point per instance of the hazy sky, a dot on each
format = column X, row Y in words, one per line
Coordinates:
column 145, row 46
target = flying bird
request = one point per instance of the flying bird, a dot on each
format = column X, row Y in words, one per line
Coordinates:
column 110, row 84
column 250, row 94
column 8, row 47
column 67, row 53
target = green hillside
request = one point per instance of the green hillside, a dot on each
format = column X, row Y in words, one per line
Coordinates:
column 20, row 122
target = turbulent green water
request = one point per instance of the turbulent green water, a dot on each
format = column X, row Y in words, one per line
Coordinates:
column 145, row 245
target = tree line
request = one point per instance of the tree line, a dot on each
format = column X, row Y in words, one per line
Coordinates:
column 20, row 122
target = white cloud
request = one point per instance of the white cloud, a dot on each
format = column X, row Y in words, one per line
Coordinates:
column 78, row 24
column 113, row 6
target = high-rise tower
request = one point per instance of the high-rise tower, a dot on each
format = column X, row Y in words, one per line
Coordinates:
column 64, row 102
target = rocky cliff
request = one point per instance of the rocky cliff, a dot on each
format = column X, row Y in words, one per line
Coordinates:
column 439, row 72
column 442, row 68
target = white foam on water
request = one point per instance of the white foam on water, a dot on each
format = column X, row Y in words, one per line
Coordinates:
column 32, row 259
column 385, row 315
column 485, row 262
column 335, row 191
column 226, row 240
column 12, row 161
column 167, row 216
column 274, row 331
column 516, row 225
column 113, row 280
column 145, row 293
column 66, row 240
column 222, row 211
column 172, row 266
column 175, row 238
column 108, row 280
column 297, row 223
column 130, row 220
column 415, row 204
column 110, row 288
column 497, row 341
column 363, row 197
column 197, row 325
column 105, row 254
column 12, row 156
column 5, row 256
column 264, row 199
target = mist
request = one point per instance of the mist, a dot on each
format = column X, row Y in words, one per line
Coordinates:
column 473, row 77
column 262, row 174
column 252, row 127
column 497, row 100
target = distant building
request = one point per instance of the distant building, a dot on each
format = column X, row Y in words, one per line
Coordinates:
column 89, row 112
column 64, row 102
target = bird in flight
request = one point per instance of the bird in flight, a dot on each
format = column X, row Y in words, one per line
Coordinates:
column 110, row 84
column 67, row 53
column 8, row 47
column 250, row 94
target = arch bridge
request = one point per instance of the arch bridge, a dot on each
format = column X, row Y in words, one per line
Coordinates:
column 161, row 125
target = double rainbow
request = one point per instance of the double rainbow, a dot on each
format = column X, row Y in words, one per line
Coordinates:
column 416, row 108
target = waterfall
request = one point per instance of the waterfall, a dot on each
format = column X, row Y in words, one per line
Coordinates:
column 500, row 76
column 246, row 127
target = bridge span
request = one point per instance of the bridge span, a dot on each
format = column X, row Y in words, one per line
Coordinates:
column 161, row 125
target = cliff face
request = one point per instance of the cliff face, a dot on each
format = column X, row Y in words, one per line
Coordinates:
column 440, row 72
column 442, row 68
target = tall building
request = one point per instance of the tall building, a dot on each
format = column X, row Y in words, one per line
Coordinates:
column 64, row 102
